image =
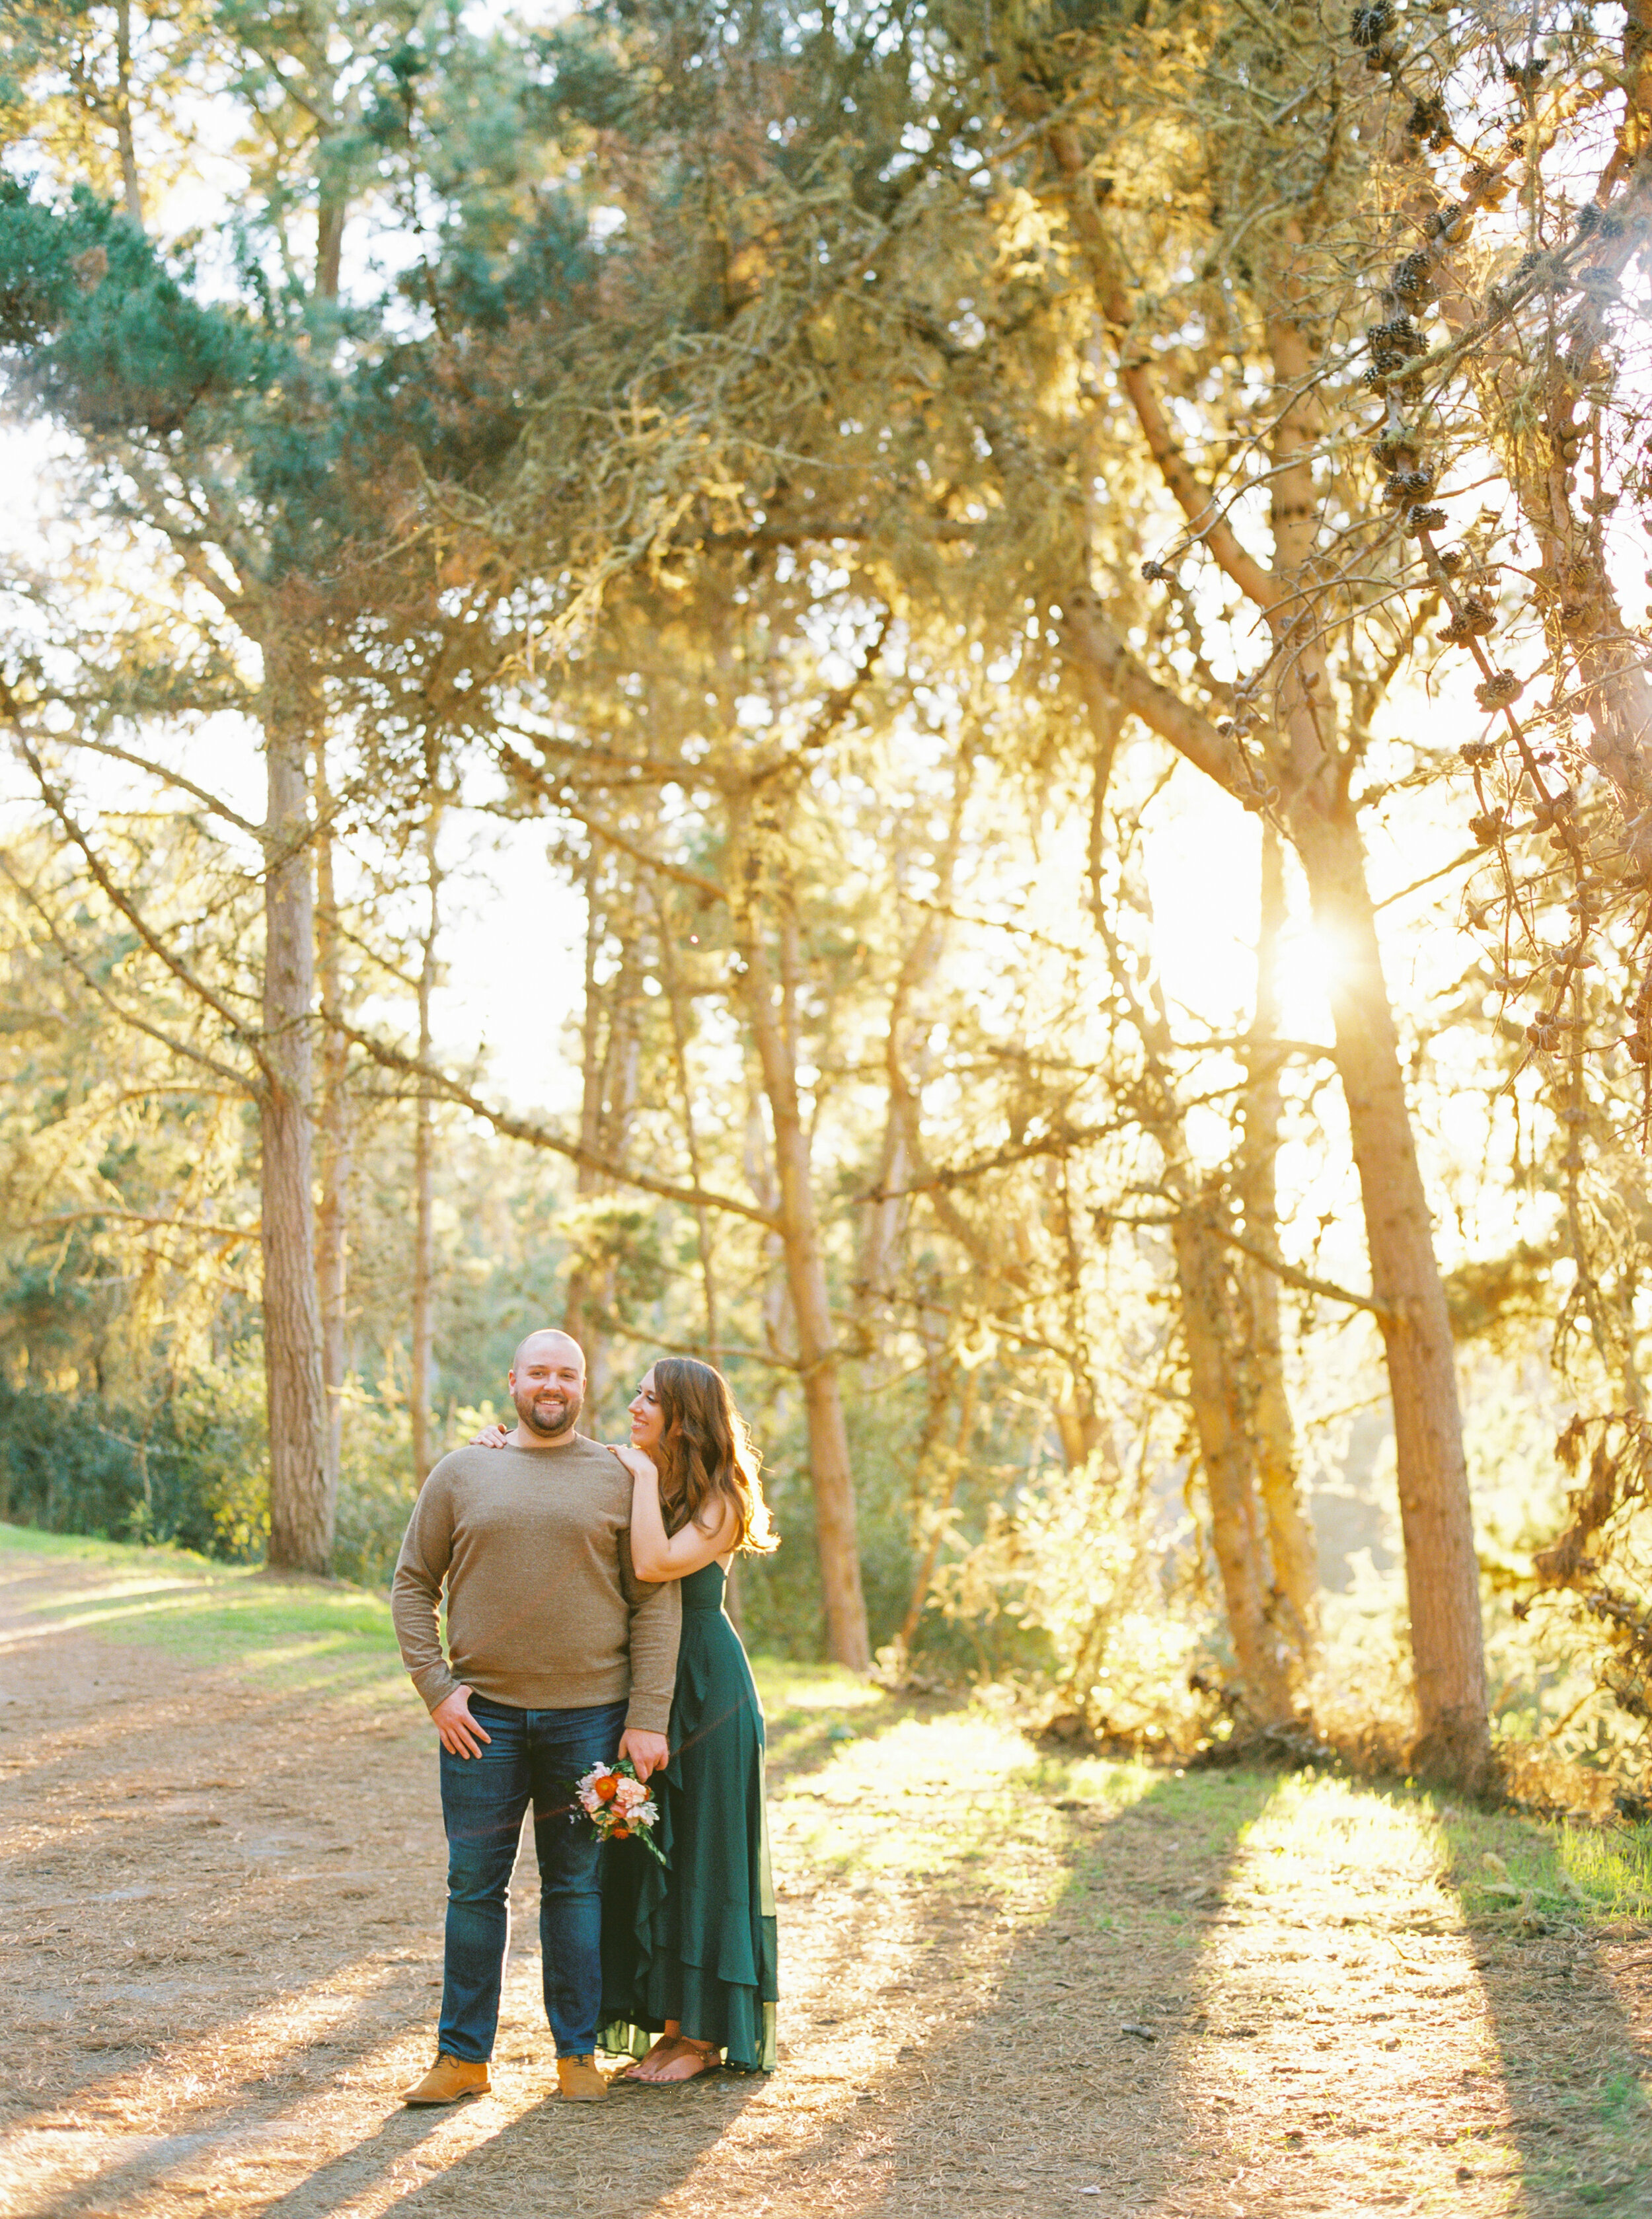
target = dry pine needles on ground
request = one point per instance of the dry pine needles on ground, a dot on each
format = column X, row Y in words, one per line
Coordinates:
column 222, row 1910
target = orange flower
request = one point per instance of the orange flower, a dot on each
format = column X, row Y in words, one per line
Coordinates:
column 621, row 1833
column 607, row 1788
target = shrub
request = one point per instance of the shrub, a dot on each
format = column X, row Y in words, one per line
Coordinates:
column 191, row 1469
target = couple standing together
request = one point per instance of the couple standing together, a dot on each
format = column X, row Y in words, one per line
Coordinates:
column 585, row 1624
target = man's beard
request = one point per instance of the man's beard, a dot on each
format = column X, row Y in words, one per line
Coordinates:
column 550, row 1414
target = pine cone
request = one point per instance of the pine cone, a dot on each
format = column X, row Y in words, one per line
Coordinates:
column 1372, row 24
column 1500, row 687
column 1428, row 118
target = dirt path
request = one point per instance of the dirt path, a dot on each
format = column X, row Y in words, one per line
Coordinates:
column 221, row 1903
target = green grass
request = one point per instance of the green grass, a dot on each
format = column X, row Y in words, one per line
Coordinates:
column 815, row 1712
column 1506, row 1868
column 302, row 1633
column 286, row 1632
column 874, row 1758
column 30, row 1541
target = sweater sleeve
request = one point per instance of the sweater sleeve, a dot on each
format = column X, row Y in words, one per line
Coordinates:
column 416, row 1590
column 656, row 1609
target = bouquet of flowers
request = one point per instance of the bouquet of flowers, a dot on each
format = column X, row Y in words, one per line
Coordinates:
column 619, row 1805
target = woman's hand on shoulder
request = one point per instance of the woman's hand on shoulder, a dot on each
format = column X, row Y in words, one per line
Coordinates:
column 639, row 1465
column 490, row 1436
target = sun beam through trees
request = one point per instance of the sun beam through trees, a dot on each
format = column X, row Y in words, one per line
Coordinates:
column 1038, row 615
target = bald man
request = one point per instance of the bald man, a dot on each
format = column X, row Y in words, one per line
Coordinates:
column 559, row 1658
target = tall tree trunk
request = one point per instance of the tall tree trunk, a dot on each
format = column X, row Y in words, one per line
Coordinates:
column 131, row 191
column 1441, row 1573
column 301, row 1502
column 1218, row 1377
column 333, row 1228
column 1312, row 772
column 1225, row 1450
column 887, row 1212
column 677, row 1004
column 882, row 1219
column 830, row 1471
column 1290, row 1538
column 934, row 1511
column 576, row 1298
column 419, row 1381
column 329, row 243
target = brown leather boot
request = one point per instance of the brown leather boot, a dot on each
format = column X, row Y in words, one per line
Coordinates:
column 579, row 2081
column 449, row 2081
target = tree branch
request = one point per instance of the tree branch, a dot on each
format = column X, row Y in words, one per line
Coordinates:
column 647, row 770
column 160, row 770
column 238, row 1079
column 1093, row 641
column 541, row 1136
column 1205, row 520
column 133, row 917
column 599, row 831
column 1059, row 1142
column 1304, row 1280
column 610, row 1324
column 237, row 1233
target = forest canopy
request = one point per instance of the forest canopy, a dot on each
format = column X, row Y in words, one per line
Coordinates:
column 1041, row 612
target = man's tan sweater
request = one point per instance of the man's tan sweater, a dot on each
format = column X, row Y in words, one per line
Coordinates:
column 544, row 1611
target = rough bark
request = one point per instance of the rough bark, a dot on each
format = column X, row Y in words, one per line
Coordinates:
column 1441, row 1573
column 421, row 1369
column 1435, row 1521
column 577, row 1295
column 335, row 1137
column 934, row 1516
column 131, row 189
column 1311, row 766
column 1290, row 1538
column 302, row 1500
column 1220, row 1378
column 610, row 1063
column 830, row 1469
column 1237, row 1537
column 678, row 1006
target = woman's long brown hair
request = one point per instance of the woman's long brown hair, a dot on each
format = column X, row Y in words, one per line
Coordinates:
column 706, row 1454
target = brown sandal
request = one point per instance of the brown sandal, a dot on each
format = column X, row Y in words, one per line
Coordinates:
column 711, row 2059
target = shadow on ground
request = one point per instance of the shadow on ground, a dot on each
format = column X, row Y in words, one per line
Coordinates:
column 1575, row 2070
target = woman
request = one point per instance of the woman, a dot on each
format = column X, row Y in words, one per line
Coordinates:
column 688, row 1952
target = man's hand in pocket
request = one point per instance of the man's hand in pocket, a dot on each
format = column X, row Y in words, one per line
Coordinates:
column 462, row 1735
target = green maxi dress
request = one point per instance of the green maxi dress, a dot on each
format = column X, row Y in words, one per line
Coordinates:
column 696, row 1942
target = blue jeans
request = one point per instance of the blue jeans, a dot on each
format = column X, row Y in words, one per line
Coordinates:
column 532, row 1757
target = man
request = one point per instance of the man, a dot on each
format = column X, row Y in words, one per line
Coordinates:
column 560, row 1657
